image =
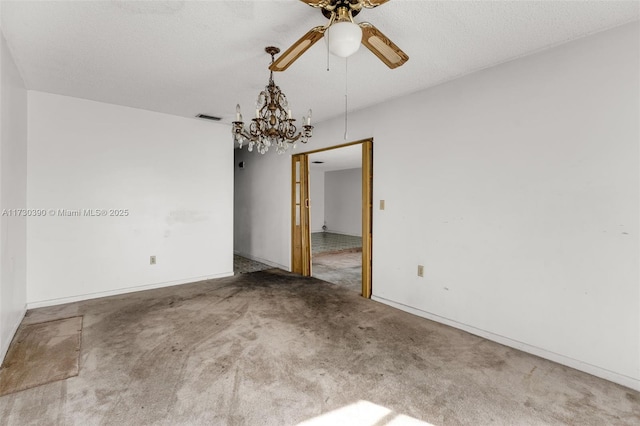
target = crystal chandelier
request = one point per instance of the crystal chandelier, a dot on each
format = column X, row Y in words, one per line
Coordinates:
column 273, row 125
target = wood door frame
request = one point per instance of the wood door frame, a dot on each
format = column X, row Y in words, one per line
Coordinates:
column 300, row 226
column 367, row 213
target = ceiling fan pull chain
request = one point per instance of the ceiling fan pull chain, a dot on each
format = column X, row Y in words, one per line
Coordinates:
column 346, row 96
column 327, row 43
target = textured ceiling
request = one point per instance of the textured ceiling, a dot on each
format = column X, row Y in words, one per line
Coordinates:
column 189, row 57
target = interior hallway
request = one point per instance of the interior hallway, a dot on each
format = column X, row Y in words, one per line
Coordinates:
column 268, row 348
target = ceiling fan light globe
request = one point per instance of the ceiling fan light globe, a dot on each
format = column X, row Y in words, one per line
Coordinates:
column 343, row 38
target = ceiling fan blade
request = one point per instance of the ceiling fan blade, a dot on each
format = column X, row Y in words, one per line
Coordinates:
column 369, row 4
column 382, row 47
column 317, row 3
column 297, row 49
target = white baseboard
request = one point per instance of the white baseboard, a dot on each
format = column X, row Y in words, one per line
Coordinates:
column 78, row 298
column 4, row 346
column 594, row 370
column 265, row 261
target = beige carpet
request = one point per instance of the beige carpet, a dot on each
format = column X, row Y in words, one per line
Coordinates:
column 271, row 348
column 40, row 354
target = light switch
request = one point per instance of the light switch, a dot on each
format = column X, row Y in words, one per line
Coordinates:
column 381, row 204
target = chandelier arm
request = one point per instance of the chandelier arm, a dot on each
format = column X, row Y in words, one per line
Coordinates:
column 293, row 139
column 239, row 130
column 290, row 132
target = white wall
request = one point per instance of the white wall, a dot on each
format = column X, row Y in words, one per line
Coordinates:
column 343, row 201
column 317, row 198
column 262, row 209
column 13, row 192
column 517, row 187
column 172, row 174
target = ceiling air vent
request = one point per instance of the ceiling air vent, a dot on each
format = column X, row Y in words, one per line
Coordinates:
column 208, row 117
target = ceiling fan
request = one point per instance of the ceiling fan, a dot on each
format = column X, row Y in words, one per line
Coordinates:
column 343, row 35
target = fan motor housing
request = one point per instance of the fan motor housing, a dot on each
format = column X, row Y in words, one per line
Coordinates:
column 337, row 4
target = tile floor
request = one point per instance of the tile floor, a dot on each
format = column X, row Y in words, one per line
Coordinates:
column 322, row 242
column 242, row 265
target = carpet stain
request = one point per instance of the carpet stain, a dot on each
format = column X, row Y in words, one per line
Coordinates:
column 273, row 348
column 41, row 353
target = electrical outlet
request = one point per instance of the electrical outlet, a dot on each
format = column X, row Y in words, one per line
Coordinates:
column 381, row 204
column 152, row 260
column 420, row 270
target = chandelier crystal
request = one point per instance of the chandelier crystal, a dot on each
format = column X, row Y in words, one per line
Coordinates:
column 273, row 125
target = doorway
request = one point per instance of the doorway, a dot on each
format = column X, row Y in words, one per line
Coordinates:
column 331, row 215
